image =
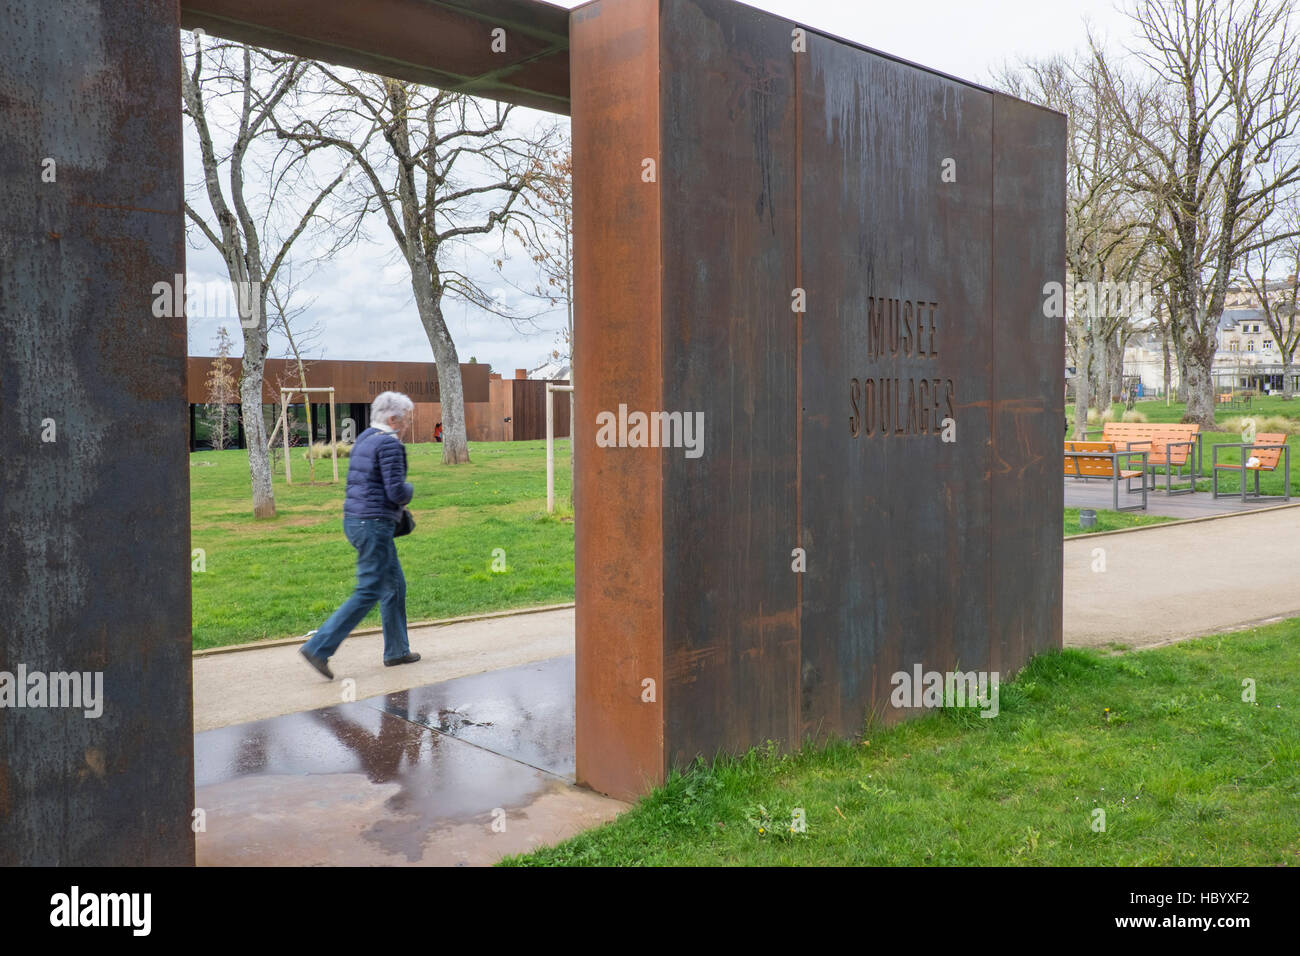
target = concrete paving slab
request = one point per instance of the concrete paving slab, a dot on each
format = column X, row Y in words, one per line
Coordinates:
column 357, row 784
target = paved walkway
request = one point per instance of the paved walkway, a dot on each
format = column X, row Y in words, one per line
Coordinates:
column 249, row 685
column 467, row 756
column 1169, row 582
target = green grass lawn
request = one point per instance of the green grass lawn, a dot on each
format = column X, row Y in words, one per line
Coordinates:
column 1157, row 411
column 1161, row 741
column 284, row 576
column 1110, row 521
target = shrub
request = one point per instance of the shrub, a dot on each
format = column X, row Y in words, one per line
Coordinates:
column 1263, row 423
column 1134, row 416
column 321, row 449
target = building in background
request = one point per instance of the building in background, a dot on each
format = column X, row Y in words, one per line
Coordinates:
column 495, row 409
column 1246, row 355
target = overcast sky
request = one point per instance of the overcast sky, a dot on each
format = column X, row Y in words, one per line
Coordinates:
column 362, row 298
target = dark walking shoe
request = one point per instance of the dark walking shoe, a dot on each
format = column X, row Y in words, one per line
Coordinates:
column 410, row 658
column 319, row 663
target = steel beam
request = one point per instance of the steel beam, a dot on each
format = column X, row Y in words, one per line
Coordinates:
column 449, row 44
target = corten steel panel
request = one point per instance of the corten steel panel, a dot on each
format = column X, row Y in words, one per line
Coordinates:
column 352, row 381
column 728, row 181
column 819, row 170
column 895, row 520
column 94, row 558
column 1026, row 493
column 619, row 538
column 442, row 43
column 529, row 416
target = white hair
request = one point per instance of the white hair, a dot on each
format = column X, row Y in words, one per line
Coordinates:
column 388, row 404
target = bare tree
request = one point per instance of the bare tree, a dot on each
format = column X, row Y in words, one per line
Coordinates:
column 254, row 248
column 221, row 392
column 448, row 170
column 1104, row 224
column 1223, row 84
column 283, row 320
column 1278, row 299
column 548, row 235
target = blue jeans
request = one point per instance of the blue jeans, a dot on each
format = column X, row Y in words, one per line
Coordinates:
column 379, row 580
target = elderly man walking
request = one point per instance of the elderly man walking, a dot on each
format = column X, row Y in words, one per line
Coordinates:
column 377, row 491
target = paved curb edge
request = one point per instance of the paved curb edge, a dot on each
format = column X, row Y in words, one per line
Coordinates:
column 443, row 622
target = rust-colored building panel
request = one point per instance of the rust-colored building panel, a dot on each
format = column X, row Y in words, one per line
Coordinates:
column 528, row 410
column 357, row 381
column 449, row 44
column 619, row 538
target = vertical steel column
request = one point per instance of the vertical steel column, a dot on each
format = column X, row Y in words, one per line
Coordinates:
column 614, row 50
column 94, row 476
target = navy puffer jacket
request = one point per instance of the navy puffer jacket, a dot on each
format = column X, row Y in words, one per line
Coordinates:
column 377, row 485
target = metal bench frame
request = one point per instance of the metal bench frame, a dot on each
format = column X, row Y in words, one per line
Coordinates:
column 1286, row 471
column 1192, row 463
column 1114, row 457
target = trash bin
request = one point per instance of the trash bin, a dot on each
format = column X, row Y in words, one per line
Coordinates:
column 1087, row 518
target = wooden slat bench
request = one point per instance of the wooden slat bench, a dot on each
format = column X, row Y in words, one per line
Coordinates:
column 1100, row 459
column 1171, row 447
column 1268, row 449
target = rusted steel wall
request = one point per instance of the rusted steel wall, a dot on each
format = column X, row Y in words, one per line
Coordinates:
column 897, row 521
column 727, row 179
column 1028, row 369
column 94, row 500
column 821, row 170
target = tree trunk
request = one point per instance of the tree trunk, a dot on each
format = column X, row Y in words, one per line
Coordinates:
column 1169, row 371
column 451, row 392
column 1200, row 378
column 250, row 395
column 1100, row 370
column 1081, row 391
column 1115, row 368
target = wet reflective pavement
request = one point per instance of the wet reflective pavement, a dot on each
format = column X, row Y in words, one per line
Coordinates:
column 462, row 772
